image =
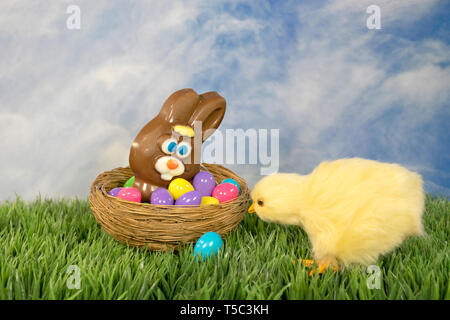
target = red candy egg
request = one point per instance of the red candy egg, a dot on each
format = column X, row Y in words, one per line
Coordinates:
column 130, row 194
column 225, row 192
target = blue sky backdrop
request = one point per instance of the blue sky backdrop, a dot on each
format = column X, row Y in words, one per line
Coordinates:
column 72, row 101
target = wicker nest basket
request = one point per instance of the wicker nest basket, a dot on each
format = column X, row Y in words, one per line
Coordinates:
column 160, row 227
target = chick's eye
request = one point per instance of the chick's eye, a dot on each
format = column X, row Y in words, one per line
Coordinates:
column 169, row 146
column 260, row 203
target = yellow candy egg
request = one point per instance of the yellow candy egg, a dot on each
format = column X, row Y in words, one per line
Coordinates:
column 179, row 186
column 207, row 201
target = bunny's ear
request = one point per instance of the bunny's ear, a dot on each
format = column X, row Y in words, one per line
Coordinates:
column 210, row 111
column 179, row 106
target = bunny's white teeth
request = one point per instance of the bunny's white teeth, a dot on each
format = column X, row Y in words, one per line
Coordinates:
column 162, row 166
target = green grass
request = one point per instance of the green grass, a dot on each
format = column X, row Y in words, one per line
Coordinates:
column 41, row 239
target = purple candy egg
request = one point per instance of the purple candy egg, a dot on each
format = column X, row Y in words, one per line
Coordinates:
column 191, row 198
column 161, row 196
column 114, row 191
column 204, row 183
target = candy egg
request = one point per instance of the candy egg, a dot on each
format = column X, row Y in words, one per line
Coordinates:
column 161, row 196
column 207, row 201
column 130, row 194
column 191, row 198
column 207, row 245
column 179, row 186
column 129, row 183
column 204, row 183
column 114, row 192
column 225, row 192
column 229, row 180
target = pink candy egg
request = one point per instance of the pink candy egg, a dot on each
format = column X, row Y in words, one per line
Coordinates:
column 130, row 194
column 225, row 192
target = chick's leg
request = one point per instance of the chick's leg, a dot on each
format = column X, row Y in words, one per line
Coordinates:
column 307, row 262
column 323, row 264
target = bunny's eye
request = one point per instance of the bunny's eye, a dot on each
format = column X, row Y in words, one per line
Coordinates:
column 169, row 146
column 184, row 150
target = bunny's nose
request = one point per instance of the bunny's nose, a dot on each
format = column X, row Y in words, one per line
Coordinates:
column 172, row 164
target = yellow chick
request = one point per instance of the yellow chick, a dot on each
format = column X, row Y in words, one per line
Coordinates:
column 353, row 210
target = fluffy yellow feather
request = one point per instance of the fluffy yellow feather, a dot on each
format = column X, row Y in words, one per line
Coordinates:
column 353, row 210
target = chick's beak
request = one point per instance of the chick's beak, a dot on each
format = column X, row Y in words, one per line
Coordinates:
column 251, row 209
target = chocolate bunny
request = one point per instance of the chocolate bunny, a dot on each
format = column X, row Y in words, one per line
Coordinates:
column 164, row 148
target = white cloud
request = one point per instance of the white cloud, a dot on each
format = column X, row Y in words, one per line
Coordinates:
column 338, row 81
column 72, row 101
column 424, row 87
column 392, row 11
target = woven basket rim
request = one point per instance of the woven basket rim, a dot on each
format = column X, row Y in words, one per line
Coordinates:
column 163, row 227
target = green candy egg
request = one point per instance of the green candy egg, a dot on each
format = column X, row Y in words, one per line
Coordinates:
column 129, row 183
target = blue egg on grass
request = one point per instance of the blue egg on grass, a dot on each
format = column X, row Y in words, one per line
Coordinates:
column 208, row 245
column 229, row 180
